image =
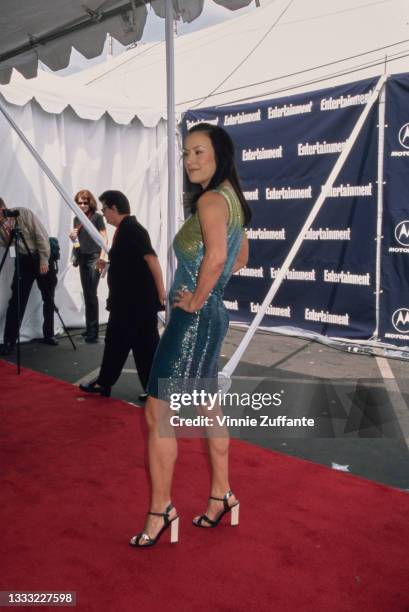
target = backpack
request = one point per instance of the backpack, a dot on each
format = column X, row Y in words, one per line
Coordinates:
column 55, row 252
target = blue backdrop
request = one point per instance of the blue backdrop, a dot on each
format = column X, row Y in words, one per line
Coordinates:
column 285, row 150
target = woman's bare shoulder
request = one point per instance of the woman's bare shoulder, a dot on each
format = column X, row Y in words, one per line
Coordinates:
column 212, row 199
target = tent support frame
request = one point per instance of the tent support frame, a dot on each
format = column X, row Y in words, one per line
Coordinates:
column 380, row 189
column 171, row 130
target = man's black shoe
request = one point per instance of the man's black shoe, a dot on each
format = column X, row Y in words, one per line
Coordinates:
column 143, row 397
column 84, row 333
column 7, row 348
column 94, row 387
column 91, row 339
column 50, row 341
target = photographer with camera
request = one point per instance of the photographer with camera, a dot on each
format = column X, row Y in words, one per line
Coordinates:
column 34, row 265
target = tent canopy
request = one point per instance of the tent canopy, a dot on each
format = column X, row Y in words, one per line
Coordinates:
column 46, row 30
column 55, row 94
column 269, row 52
column 276, row 50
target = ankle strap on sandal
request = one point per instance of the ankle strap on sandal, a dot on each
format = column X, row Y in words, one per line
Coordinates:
column 224, row 499
column 165, row 514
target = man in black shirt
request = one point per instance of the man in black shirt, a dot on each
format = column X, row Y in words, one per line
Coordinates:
column 136, row 293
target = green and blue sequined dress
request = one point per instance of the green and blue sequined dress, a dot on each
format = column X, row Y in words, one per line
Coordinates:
column 187, row 355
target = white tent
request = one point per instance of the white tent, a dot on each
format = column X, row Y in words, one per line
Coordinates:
column 280, row 49
column 54, row 94
column 87, row 143
column 46, row 30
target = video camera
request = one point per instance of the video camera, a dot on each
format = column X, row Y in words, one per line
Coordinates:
column 10, row 213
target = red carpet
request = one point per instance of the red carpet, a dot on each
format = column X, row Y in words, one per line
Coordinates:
column 74, row 489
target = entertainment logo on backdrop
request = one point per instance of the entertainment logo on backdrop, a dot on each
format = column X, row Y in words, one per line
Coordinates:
column 319, row 148
column 400, row 321
column 329, row 104
column 402, row 237
column 240, row 118
column 350, row 191
column 252, row 195
column 328, row 234
column 250, row 272
column 266, row 234
column 288, row 110
column 261, row 153
column 191, row 124
column 403, row 138
column 346, row 278
column 323, row 316
column 231, row 304
column 272, row 311
column 288, row 193
column 296, row 275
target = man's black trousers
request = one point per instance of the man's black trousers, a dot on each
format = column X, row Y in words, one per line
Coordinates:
column 139, row 335
column 29, row 272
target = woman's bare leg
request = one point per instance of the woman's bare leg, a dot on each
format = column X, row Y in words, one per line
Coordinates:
column 218, row 442
column 162, row 454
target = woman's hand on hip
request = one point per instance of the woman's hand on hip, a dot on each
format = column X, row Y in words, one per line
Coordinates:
column 184, row 300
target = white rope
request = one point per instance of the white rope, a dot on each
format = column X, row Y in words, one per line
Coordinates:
column 234, row 360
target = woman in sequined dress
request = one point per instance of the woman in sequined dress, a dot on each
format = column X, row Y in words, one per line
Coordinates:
column 210, row 247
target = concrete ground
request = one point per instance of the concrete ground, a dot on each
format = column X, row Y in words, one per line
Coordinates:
column 359, row 403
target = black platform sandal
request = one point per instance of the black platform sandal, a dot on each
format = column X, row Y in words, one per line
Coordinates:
column 148, row 541
column 233, row 509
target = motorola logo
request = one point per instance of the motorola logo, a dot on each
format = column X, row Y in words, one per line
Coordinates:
column 402, row 233
column 400, row 320
column 404, row 136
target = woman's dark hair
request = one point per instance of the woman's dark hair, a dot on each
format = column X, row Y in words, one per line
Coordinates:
column 84, row 194
column 225, row 167
column 112, row 197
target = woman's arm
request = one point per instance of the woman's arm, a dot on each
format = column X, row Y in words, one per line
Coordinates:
column 243, row 256
column 105, row 239
column 213, row 217
column 74, row 232
column 156, row 271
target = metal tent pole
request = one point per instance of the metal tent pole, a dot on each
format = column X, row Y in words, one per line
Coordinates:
column 171, row 130
column 381, row 155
